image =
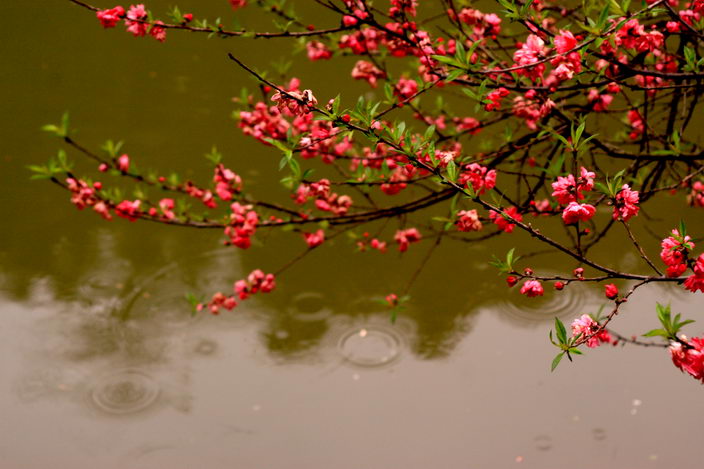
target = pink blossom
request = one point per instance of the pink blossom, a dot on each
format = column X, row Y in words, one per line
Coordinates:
column 82, row 195
column 392, row 299
column 565, row 42
column 632, row 35
column 109, row 18
column 167, row 208
column 123, row 163
column 674, row 253
column 688, row 356
column 399, row 7
column 314, row 189
column 467, row 124
column 227, row 183
column 334, row 203
column 128, row 209
column 494, row 98
column 600, row 102
column 626, row 203
column 348, row 20
column 219, row 300
column 637, row 124
column 568, row 189
column 611, row 291
column 314, row 239
column 395, row 184
column 378, row 245
column 532, row 288
column 257, row 281
column 136, row 20
column 406, row 88
column 158, row 31
column 480, row 178
column 364, row 70
column 531, row 110
column 563, row 72
column 295, row 102
column 243, row 225
column 696, row 281
column 531, row 52
column 205, row 196
column 468, row 220
column 586, row 326
column 264, row 122
column 502, row 223
column 405, row 237
column 696, row 196
column 238, row 4
column 318, row 51
column 483, row 24
column 261, row 282
column 362, row 41
column 541, row 207
column 586, row 181
column 575, row 212
column 103, row 210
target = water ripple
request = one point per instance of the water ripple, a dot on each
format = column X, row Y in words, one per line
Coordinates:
column 126, row 391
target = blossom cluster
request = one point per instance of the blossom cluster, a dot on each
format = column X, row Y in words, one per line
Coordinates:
column 688, row 355
column 136, row 20
column 586, row 327
column 242, row 226
column 256, row 282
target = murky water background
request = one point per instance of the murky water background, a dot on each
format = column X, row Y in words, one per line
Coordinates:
column 101, row 364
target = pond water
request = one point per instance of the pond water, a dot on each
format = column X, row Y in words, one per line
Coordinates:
column 102, row 365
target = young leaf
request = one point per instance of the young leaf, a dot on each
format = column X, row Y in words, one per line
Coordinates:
column 560, row 331
column 556, row 361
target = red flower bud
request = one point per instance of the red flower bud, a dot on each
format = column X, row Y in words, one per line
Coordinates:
column 611, row 291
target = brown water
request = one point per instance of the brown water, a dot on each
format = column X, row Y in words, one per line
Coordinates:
column 101, row 365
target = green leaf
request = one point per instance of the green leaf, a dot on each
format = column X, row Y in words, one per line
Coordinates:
column 560, row 331
column 452, row 171
column 510, row 258
column 461, row 53
column 64, row 124
column 616, row 8
column 454, row 74
column 556, row 361
column 214, row 156
column 682, row 228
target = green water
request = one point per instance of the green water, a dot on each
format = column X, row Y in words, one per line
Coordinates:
column 101, row 365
